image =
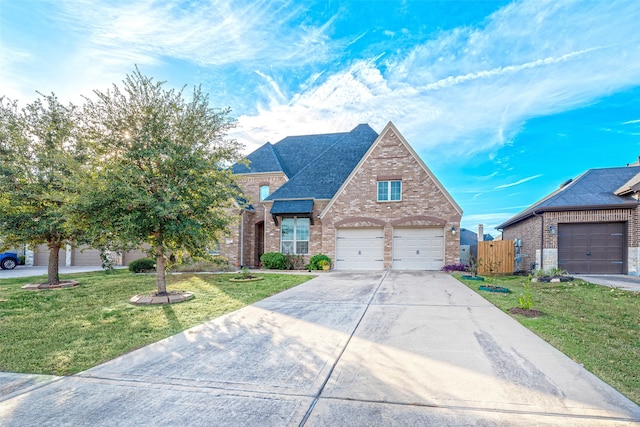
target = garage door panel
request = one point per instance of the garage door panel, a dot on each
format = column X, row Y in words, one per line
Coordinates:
column 359, row 249
column 418, row 248
column 596, row 248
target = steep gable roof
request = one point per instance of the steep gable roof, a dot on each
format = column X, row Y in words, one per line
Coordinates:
column 316, row 165
column 264, row 159
column 324, row 174
column 390, row 127
column 594, row 189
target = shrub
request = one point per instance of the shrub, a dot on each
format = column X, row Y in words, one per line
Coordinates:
column 142, row 265
column 274, row 261
column 314, row 262
column 294, row 262
column 455, row 267
column 21, row 259
column 525, row 301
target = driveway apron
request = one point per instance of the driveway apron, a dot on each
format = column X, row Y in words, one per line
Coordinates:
column 385, row 348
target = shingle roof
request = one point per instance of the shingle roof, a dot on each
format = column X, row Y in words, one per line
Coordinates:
column 264, row 159
column 593, row 189
column 292, row 206
column 316, row 165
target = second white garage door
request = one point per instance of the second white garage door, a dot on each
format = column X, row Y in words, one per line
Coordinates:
column 418, row 248
column 359, row 249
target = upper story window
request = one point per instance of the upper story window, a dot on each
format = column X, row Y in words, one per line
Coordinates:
column 264, row 192
column 389, row 191
column 294, row 236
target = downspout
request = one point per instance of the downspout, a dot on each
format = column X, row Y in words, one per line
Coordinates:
column 242, row 239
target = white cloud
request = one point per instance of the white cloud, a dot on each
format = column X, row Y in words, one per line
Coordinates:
column 522, row 181
column 471, row 89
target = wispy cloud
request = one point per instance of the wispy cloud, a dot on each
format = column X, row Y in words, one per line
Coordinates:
column 471, row 89
column 631, row 122
column 521, row 181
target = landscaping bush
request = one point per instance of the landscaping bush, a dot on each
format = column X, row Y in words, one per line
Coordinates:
column 314, row 262
column 142, row 265
column 21, row 258
column 274, row 261
column 295, row 262
column 455, row 267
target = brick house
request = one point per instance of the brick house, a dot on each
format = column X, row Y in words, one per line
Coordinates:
column 366, row 200
column 589, row 225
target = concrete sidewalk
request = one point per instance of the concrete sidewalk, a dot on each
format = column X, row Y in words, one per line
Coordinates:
column 343, row 349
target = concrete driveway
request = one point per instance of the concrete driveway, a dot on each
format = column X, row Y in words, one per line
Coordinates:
column 27, row 271
column 356, row 349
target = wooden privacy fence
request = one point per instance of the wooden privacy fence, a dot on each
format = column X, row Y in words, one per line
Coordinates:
column 496, row 257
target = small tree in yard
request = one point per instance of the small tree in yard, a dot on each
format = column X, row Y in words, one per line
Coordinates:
column 160, row 175
column 39, row 157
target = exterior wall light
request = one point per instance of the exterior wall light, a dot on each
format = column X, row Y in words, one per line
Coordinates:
column 552, row 230
column 453, row 230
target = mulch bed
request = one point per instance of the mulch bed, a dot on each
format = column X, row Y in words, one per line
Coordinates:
column 164, row 298
column 525, row 312
column 46, row 286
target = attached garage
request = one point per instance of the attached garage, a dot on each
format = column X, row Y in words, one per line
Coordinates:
column 41, row 256
column 359, row 249
column 592, row 248
column 418, row 248
column 85, row 256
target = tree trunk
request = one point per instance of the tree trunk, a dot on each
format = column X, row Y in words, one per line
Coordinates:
column 160, row 279
column 53, row 279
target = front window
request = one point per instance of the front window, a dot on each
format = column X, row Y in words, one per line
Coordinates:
column 389, row 191
column 294, row 236
column 264, row 192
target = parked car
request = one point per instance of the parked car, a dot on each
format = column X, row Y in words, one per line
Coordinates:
column 9, row 260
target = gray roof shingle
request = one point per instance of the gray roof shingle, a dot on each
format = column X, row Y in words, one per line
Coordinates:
column 593, row 189
column 316, row 165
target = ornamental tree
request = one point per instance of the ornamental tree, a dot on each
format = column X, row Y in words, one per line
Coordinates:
column 160, row 172
column 39, row 157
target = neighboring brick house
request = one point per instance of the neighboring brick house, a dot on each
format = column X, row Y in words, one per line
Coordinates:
column 78, row 256
column 366, row 200
column 589, row 225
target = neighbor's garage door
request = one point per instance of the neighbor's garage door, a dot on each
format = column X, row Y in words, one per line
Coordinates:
column 592, row 248
column 85, row 256
column 359, row 249
column 418, row 248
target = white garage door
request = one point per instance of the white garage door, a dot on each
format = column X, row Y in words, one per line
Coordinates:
column 360, row 249
column 418, row 248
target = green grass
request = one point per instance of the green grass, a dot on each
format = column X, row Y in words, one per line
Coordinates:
column 65, row 331
column 594, row 325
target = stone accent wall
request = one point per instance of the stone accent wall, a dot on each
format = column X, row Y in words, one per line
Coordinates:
column 423, row 203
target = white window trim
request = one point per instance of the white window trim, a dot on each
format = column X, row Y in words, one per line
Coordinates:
column 388, row 200
column 295, row 235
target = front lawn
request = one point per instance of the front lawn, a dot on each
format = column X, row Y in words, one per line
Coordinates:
column 596, row 326
column 65, row 331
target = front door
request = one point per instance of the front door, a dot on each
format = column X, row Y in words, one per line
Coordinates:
column 259, row 238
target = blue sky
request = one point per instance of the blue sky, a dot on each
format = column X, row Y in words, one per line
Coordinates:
column 503, row 100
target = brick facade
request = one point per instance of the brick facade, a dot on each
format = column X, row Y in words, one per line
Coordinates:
column 542, row 246
column 424, row 204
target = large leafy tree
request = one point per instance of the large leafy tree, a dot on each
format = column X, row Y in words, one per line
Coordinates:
column 160, row 174
column 39, row 157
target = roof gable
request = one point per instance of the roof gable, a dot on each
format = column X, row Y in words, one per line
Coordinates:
column 264, row 159
column 390, row 127
column 596, row 188
column 323, row 175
